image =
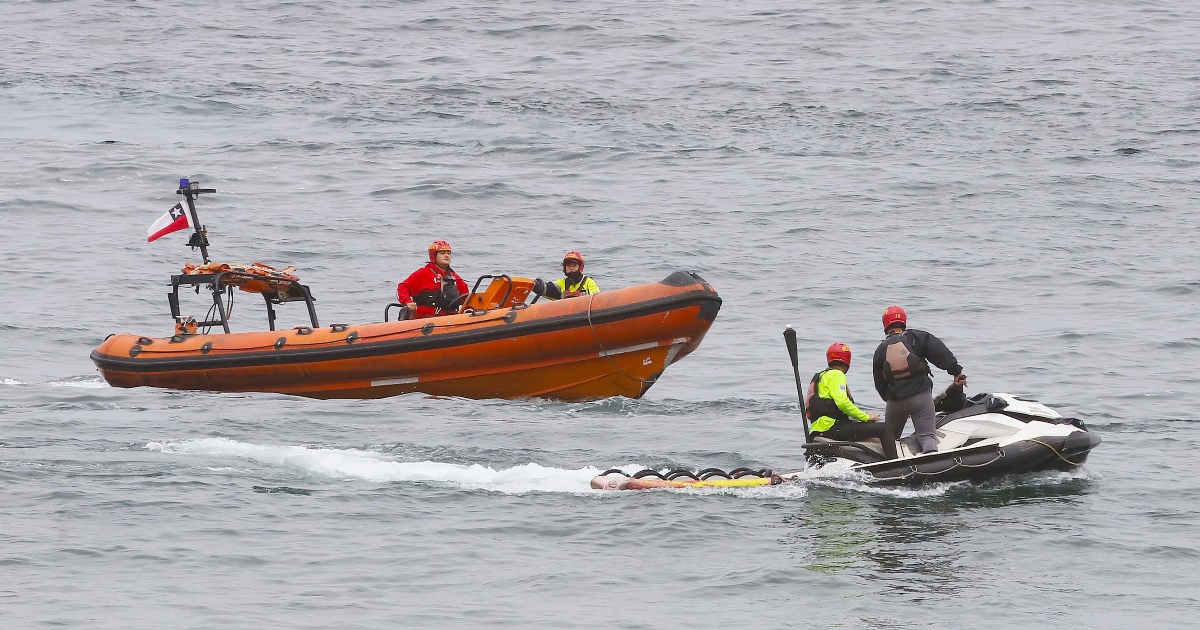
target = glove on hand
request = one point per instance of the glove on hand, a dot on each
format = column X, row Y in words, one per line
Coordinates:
column 539, row 286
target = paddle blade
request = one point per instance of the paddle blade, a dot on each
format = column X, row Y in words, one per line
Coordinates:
column 789, row 337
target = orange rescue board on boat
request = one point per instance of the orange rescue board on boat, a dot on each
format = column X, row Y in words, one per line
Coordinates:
column 615, row 343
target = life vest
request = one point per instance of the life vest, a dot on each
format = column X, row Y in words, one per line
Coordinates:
column 580, row 289
column 817, row 406
column 433, row 289
column 901, row 361
column 442, row 298
column 447, row 300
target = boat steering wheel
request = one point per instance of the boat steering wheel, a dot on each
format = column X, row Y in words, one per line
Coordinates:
column 454, row 304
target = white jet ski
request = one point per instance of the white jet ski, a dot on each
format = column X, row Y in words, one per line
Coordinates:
column 991, row 435
column 984, row 436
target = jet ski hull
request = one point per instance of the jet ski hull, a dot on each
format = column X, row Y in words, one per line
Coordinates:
column 997, row 435
column 978, row 464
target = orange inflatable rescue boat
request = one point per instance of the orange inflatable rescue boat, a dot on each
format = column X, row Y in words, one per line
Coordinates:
column 614, row 343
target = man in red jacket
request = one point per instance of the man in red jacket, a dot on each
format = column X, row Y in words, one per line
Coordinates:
column 434, row 289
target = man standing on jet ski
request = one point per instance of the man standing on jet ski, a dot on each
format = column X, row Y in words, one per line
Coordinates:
column 901, row 370
column 832, row 408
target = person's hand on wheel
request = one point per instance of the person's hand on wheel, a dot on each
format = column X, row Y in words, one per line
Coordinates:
column 961, row 379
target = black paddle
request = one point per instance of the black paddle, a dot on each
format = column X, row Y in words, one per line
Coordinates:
column 789, row 337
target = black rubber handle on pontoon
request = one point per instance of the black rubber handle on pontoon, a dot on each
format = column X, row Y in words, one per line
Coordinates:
column 789, row 337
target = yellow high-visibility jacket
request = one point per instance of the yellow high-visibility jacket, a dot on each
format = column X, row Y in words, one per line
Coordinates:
column 833, row 386
column 585, row 286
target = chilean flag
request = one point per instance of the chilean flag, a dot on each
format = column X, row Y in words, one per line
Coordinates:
column 175, row 219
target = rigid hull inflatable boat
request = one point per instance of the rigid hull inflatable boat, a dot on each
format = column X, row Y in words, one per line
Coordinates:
column 615, row 343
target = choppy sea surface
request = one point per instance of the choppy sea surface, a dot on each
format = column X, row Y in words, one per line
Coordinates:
column 1021, row 176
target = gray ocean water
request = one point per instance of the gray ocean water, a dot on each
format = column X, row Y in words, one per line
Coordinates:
column 1020, row 176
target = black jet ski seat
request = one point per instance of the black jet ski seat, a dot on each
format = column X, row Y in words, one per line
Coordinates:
column 865, row 451
column 871, row 451
column 874, row 444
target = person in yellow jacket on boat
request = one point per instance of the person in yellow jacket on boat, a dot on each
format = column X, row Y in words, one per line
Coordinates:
column 832, row 410
column 574, row 284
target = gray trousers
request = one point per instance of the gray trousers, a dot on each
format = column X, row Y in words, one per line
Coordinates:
column 920, row 409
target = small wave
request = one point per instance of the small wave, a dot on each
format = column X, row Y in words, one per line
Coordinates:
column 11, row 381
column 282, row 489
column 1176, row 289
column 671, row 407
column 89, row 381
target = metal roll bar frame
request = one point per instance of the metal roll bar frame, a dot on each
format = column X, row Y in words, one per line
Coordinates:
column 217, row 283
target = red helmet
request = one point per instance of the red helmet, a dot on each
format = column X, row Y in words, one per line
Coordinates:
column 576, row 256
column 894, row 315
column 435, row 247
column 838, row 352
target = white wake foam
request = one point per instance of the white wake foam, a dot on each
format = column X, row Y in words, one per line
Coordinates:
column 379, row 467
column 11, row 381
column 90, row 381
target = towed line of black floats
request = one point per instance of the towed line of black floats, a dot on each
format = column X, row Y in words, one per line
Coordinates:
column 703, row 475
column 647, row 479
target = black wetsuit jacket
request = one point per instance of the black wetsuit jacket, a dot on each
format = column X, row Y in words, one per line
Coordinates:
column 923, row 345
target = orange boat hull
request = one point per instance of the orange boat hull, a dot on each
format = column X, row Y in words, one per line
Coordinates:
column 610, row 344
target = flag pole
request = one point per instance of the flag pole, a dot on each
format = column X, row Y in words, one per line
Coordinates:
column 190, row 190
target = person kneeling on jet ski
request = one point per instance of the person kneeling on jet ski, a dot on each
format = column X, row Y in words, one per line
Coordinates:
column 833, row 412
